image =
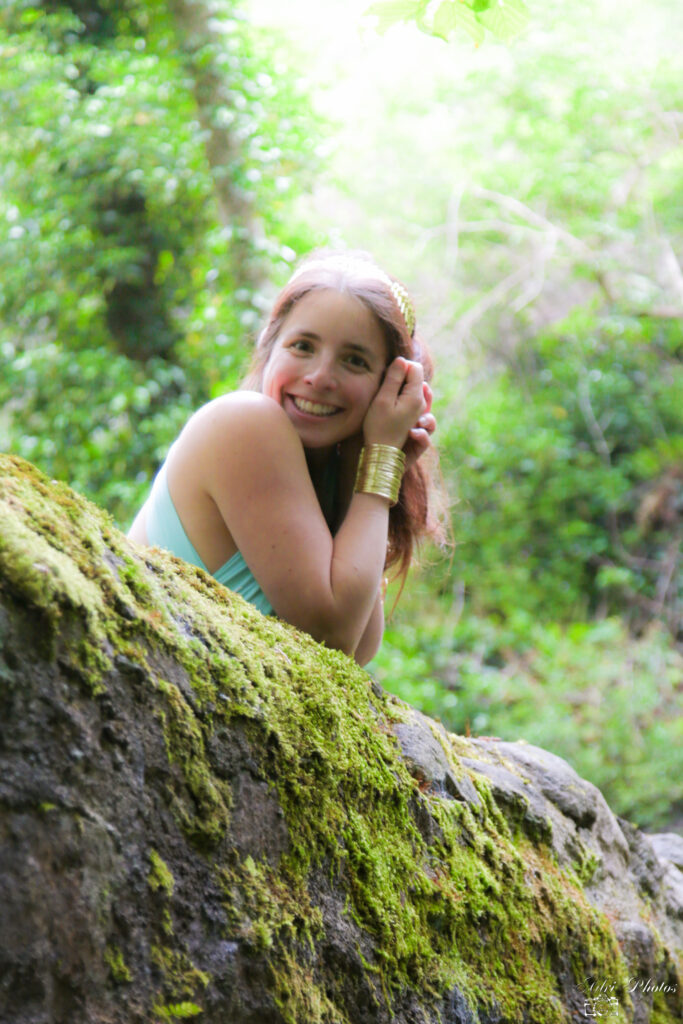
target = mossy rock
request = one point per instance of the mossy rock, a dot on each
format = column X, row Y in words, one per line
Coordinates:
column 205, row 814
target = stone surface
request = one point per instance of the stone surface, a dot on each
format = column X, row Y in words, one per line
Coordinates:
column 669, row 846
column 424, row 746
column 205, row 815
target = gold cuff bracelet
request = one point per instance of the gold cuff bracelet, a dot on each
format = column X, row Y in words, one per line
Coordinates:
column 380, row 471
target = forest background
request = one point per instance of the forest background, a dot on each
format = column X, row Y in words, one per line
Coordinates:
column 164, row 164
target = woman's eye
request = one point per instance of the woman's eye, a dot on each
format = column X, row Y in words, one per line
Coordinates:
column 301, row 345
column 358, row 362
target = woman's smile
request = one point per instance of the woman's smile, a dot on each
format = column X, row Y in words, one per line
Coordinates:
column 314, row 408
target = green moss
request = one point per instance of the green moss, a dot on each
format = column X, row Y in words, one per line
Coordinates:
column 666, row 995
column 300, row 997
column 205, row 817
column 159, row 876
column 263, row 902
column 270, row 912
column 476, row 905
column 113, row 957
column 176, row 1011
column 586, row 865
column 181, row 981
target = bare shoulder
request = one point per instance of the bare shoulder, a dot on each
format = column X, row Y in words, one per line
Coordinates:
column 238, row 411
column 239, row 435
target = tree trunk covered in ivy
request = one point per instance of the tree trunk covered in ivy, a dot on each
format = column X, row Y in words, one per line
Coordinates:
column 203, row 43
column 210, row 60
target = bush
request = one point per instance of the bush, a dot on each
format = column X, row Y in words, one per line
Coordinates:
column 568, row 472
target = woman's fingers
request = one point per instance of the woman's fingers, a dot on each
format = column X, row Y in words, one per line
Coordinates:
column 398, row 404
column 419, row 436
column 403, row 377
column 415, row 378
column 395, row 377
column 427, row 422
column 417, row 444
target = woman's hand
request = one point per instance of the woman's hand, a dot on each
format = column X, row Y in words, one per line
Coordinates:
column 420, row 436
column 398, row 405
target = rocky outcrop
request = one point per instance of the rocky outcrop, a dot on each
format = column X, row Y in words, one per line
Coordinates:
column 205, row 815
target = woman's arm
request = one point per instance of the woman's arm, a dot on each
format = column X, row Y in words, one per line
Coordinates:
column 418, row 442
column 249, row 459
column 374, row 630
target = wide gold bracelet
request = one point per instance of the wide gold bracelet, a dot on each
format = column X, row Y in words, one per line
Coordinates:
column 380, row 471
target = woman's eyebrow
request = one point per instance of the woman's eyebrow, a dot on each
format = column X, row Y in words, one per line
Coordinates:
column 302, row 333
column 357, row 347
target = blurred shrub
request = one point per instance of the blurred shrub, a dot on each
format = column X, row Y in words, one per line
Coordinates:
column 567, row 468
column 92, row 417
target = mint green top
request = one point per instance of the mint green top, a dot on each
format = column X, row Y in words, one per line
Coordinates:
column 165, row 530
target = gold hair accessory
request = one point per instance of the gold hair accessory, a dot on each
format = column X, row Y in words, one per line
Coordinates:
column 405, row 304
column 380, row 471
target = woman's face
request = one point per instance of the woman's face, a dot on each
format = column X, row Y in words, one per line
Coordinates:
column 326, row 366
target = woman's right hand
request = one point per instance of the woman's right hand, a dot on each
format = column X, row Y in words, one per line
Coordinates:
column 398, row 404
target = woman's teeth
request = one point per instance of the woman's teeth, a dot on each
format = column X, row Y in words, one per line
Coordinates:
column 314, row 407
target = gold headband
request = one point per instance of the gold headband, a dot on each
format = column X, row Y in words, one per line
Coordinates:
column 405, row 304
column 358, row 265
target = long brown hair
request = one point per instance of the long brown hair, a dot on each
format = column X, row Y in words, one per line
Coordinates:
column 417, row 513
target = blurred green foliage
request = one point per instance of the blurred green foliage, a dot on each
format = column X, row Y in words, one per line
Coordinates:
column 123, row 302
column 557, row 460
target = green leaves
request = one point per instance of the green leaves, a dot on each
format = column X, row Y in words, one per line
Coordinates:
column 451, row 15
column 502, row 18
column 505, row 18
column 551, row 469
column 392, row 12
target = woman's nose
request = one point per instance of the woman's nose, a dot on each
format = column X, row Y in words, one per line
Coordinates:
column 321, row 374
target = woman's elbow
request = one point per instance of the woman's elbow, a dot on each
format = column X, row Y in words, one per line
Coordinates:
column 335, row 636
column 339, row 642
column 327, row 627
column 368, row 648
column 361, row 646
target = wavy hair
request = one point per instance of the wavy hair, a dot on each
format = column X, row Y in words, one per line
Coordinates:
column 418, row 512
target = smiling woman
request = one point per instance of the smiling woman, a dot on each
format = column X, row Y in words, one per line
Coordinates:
column 299, row 490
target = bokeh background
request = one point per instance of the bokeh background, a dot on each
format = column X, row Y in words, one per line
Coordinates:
column 164, row 164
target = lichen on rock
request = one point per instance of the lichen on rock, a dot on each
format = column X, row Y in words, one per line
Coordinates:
column 205, row 814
